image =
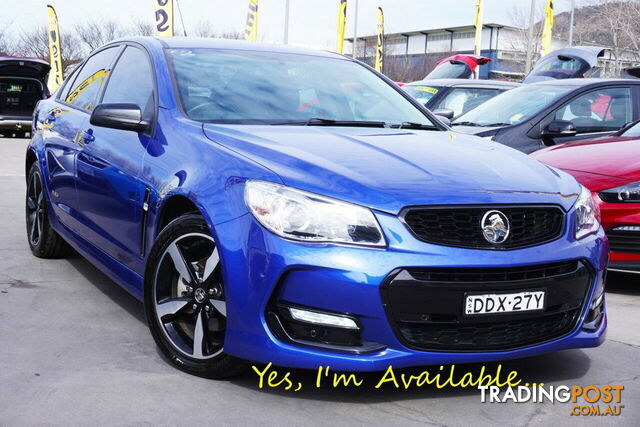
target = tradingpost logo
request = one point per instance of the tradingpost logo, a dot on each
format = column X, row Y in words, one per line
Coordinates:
column 589, row 400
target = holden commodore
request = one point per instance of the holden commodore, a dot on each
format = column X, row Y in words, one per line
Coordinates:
column 274, row 204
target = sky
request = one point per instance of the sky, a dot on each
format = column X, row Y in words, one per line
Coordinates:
column 312, row 22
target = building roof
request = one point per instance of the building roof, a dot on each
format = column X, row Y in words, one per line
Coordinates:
column 438, row 30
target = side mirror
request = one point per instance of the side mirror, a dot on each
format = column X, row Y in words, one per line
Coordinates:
column 557, row 129
column 444, row 112
column 119, row 116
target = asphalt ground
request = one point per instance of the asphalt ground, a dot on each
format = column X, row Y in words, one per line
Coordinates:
column 75, row 350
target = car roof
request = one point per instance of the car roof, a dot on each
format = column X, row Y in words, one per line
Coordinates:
column 465, row 83
column 584, row 82
column 228, row 44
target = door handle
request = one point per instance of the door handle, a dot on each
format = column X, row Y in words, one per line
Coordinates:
column 86, row 136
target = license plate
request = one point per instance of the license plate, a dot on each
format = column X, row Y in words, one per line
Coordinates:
column 504, row 303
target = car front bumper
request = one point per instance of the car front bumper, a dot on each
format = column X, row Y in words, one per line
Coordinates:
column 259, row 267
column 625, row 243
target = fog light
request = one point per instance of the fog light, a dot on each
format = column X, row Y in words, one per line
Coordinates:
column 596, row 313
column 323, row 319
column 597, row 301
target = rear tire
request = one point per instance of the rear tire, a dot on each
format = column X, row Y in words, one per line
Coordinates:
column 184, row 300
column 44, row 241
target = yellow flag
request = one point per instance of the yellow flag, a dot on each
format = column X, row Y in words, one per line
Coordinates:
column 55, row 58
column 547, row 30
column 478, row 23
column 342, row 23
column 251, row 29
column 380, row 43
column 163, row 10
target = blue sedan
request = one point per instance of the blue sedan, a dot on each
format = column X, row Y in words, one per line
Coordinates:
column 274, row 204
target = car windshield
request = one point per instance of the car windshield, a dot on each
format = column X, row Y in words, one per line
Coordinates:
column 249, row 87
column 422, row 93
column 514, row 106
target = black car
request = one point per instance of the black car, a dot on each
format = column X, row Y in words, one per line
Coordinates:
column 553, row 112
column 453, row 97
column 22, row 84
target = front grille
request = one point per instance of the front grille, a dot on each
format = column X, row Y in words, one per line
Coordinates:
column 508, row 274
column 490, row 335
column 461, row 226
column 425, row 305
column 624, row 241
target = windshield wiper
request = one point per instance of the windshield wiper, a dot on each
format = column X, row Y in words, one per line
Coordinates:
column 414, row 125
column 496, row 124
column 464, row 124
column 319, row 121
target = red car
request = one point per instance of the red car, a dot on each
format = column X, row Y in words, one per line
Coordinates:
column 610, row 168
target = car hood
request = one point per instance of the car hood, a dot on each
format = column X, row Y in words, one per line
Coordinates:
column 389, row 169
column 477, row 130
column 616, row 157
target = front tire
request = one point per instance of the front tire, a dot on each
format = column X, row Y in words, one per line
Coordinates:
column 184, row 300
column 44, row 241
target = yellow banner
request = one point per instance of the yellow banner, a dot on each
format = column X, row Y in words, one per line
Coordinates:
column 478, row 24
column 55, row 58
column 547, row 30
column 251, row 28
column 163, row 10
column 342, row 23
column 380, row 43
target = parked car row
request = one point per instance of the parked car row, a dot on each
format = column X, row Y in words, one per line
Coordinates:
column 586, row 126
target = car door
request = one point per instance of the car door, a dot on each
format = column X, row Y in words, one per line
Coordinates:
column 597, row 112
column 61, row 128
column 109, row 166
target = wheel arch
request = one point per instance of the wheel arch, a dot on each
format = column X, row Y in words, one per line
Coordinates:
column 31, row 158
column 174, row 207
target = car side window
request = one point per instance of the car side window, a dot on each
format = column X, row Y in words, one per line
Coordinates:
column 86, row 86
column 600, row 110
column 461, row 100
column 68, row 83
column 132, row 82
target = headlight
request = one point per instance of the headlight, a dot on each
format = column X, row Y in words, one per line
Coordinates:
column 587, row 214
column 307, row 217
column 629, row 193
